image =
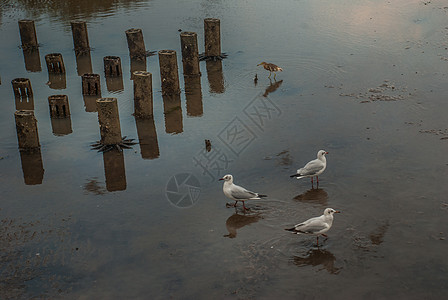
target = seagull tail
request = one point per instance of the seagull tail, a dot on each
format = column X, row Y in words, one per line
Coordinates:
column 295, row 175
column 291, row 229
column 262, row 196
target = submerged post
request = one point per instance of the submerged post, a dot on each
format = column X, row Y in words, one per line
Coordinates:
column 109, row 121
column 190, row 55
column 169, row 72
column 26, row 126
column 23, row 93
column 136, row 43
column 28, row 34
column 55, row 63
column 143, row 99
column 80, row 37
column 212, row 36
column 59, row 107
column 91, row 85
column 112, row 66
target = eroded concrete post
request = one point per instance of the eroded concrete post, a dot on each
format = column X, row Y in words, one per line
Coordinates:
column 23, row 94
column 80, row 37
column 28, row 34
column 169, row 74
column 112, row 66
column 91, row 85
column 109, row 121
column 26, row 126
column 190, row 54
column 55, row 63
column 59, row 106
column 143, row 98
column 136, row 43
column 212, row 36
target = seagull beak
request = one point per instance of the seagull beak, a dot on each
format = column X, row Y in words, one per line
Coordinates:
column 220, row 179
column 326, row 152
column 337, row 212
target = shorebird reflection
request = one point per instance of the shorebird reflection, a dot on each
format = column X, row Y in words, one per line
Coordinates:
column 237, row 221
column 316, row 196
column 318, row 257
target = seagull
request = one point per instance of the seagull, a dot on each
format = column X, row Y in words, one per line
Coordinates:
column 238, row 193
column 313, row 168
column 317, row 225
column 271, row 68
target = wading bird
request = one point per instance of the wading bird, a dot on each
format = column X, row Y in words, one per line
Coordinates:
column 317, row 225
column 271, row 68
column 313, row 168
column 238, row 193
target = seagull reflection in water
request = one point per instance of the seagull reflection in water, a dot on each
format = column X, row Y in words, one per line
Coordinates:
column 315, row 196
column 318, row 257
column 237, row 221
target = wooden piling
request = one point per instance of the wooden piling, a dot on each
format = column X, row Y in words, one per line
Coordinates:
column 212, row 37
column 55, row 63
column 59, row 106
column 112, row 66
column 23, row 94
column 80, row 37
column 109, row 121
column 136, row 44
column 28, row 34
column 190, row 54
column 91, row 85
column 26, row 126
column 143, row 98
column 169, row 72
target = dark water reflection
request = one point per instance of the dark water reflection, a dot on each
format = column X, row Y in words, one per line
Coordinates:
column 364, row 80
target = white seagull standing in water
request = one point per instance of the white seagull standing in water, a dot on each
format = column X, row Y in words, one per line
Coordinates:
column 313, row 168
column 317, row 225
column 238, row 193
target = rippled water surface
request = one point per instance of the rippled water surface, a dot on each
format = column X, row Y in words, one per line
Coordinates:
column 364, row 80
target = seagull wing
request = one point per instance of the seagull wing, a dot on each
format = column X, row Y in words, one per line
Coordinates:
column 312, row 226
column 241, row 193
column 311, row 168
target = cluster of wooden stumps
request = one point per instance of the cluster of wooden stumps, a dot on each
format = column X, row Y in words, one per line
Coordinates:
column 107, row 108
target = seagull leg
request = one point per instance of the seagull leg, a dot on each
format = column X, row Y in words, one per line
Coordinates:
column 317, row 179
column 317, row 239
column 244, row 206
column 234, row 205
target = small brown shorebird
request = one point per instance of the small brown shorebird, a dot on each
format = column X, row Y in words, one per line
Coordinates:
column 271, row 68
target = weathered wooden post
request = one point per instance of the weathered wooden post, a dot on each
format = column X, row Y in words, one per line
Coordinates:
column 28, row 34
column 55, row 63
column 169, row 74
column 136, row 43
column 80, row 37
column 91, row 85
column 23, row 94
column 212, row 38
column 109, row 121
column 60, row 114
column 113, row 73
column 26, row 126
column 143, row 98
column 190, row 54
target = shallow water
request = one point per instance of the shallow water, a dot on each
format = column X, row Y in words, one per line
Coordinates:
column 364, row 80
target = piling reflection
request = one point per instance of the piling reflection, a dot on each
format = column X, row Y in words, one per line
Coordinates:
column 23, row 94
column 84, row 63
column 173, row 113
column 193, row 95
column 215, row 76
column 114, row 84
column 147, row 136
column 61, row 126
column 114, row 170
column 137, row 65
column 272, row 87
column 32, row 60
column 316, row 196
column 57, row 81
column 32, row 166
column 237, row 221
column 90, row 103
column 318, row 257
